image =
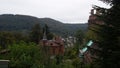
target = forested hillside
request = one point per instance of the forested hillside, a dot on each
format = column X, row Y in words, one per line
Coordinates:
column 23, row 23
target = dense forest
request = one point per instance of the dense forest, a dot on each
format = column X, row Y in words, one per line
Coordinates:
column 23, row 23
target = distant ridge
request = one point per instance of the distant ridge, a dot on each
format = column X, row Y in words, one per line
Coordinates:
column 10, row 22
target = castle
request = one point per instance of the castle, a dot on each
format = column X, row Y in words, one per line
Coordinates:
column 53, row 47
column 90, row 52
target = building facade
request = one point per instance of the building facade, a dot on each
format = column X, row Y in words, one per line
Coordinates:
column 53, row 47
column 90, row 52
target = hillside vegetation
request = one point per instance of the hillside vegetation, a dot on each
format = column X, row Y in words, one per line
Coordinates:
column 24, row 23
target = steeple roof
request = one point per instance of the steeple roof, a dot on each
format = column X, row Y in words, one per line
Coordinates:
column 44, row 36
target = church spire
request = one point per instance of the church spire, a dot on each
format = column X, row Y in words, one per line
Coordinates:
column 44, row 36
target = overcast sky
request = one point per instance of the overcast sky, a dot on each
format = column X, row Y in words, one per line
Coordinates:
column 66, row 11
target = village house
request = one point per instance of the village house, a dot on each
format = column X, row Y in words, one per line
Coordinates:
column 70, row 41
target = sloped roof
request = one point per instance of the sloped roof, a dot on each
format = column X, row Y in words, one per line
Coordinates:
column 90, row 43
column 85, row 48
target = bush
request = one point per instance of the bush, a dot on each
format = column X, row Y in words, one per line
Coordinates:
column 25, row 55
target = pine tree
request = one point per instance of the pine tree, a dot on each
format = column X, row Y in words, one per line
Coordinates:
column 46, row 30
column 36, row 33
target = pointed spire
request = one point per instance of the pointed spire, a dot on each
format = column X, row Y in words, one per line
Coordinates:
column 44, row 36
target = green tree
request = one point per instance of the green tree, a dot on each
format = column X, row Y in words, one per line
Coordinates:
column 46, row 30
column 6, row 38
column 25, row 55
column 79, row 36
column 76, row 62
column 111, row 36
column 36, row 33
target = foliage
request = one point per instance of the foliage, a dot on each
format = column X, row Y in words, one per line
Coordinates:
column 25, row 55
column 24, row 23
column 7, row 38
column 76, row 62
column 71, row 53
column 93, row 32
column 46, row 30
column 79, row 40
column 79, row 36
column 111, row 36
column 36, row 33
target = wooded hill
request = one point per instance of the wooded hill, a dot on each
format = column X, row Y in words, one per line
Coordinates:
column 24, row 23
